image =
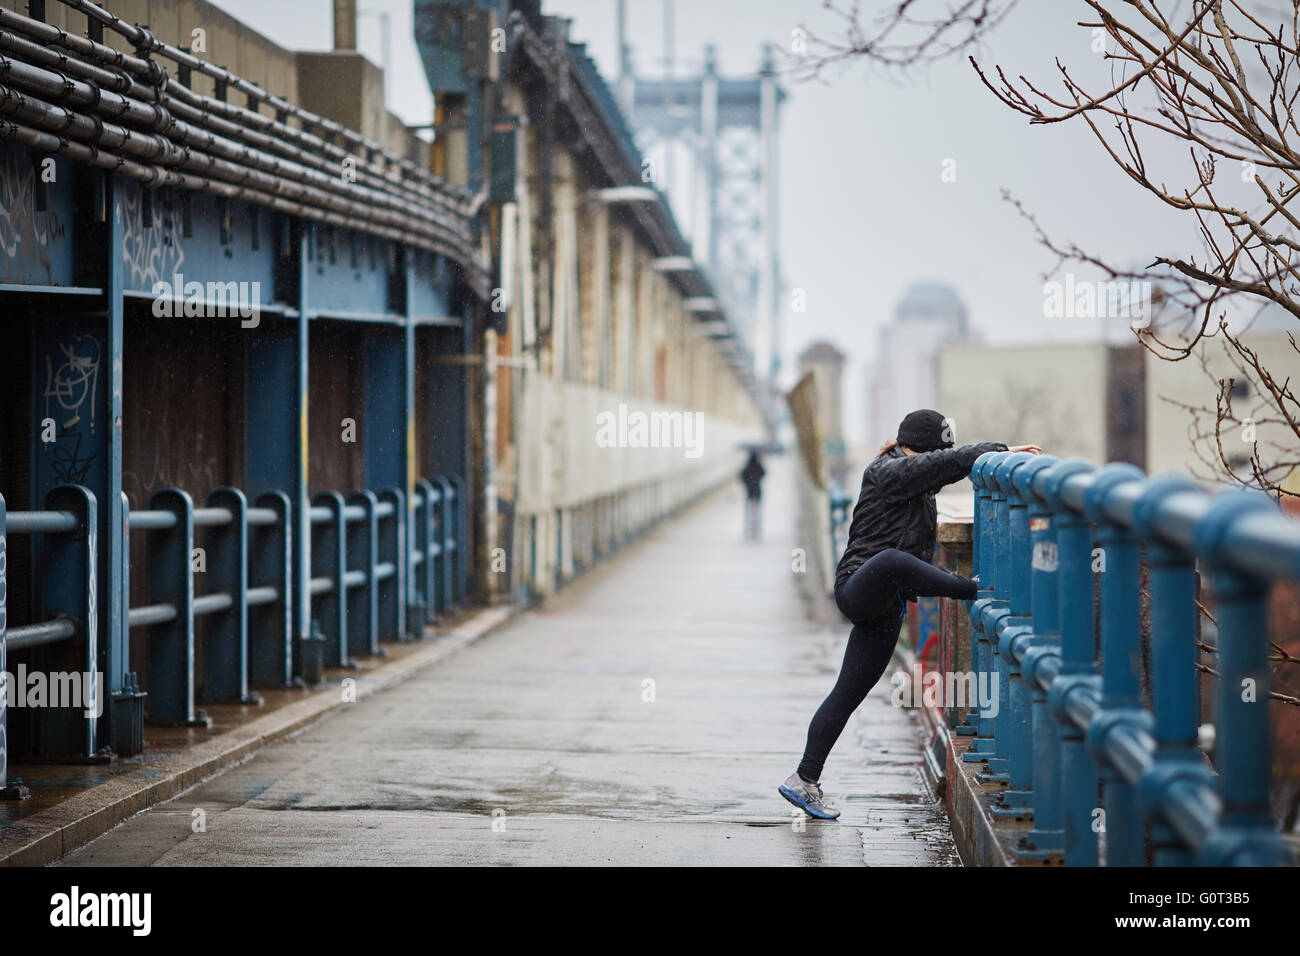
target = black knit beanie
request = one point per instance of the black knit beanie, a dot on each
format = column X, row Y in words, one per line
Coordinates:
column 925, row 430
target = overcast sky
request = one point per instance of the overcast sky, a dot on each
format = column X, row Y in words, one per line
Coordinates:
column 864, row 208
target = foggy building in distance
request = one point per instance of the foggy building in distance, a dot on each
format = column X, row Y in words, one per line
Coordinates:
column 829, row 363
column 1084, row 399
column 904, row 374
column 1182, row 398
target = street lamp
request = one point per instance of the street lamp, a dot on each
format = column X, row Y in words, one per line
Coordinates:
column 675, row 264
column 617, row 194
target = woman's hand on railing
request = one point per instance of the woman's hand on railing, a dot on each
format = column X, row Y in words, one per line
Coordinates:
column 1032, row 449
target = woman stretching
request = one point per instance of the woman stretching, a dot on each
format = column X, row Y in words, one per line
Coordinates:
column 886, row 564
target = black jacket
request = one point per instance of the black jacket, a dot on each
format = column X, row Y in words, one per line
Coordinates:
column 896, row 506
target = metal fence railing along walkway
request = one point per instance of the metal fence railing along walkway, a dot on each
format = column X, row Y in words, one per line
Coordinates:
column 1072, row 720
column 366, row 585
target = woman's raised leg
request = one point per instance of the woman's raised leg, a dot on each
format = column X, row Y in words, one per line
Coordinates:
column 877, row 582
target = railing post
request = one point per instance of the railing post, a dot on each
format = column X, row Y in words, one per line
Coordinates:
column 1175, row 684
column 6, row 791
column 996, row 615
column 968, row 724
column 981, row 650
column 446, row 538
column 271, row 625
column 1243, row 753
column 417, row 609
column 462, row 555
column 392, row 547
column 329, row 560
column 171, row 643
column 1043, row 656
column 1121, row 688
column 1021, row 635
column 227, row 631
column 1000, row 539
column 1078, row 674
column 126, row 719
column 70, row 583
column 1015, row 633
column 429, row 548
column 363, row 601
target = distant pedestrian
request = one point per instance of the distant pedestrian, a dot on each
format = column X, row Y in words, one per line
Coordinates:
column 752, row 478
column 885, row 565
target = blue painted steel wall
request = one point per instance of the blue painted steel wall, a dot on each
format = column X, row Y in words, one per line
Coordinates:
column 348, row 274
column 139, row 239
column 158, row 250
column 39, row 246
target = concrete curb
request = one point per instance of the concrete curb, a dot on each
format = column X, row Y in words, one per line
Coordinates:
column 54, row 832
column 981, row 838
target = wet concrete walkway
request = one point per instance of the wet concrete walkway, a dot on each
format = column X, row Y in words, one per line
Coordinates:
column 540, row 744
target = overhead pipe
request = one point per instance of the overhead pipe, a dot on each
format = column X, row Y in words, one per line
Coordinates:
column 121, row 82
column 169, row 141
column 105, row 136
column 142, row 39
column 157, row 176
column 151, row 82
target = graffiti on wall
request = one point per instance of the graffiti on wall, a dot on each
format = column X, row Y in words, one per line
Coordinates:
column 26, row 235
column 71, row 380
column 151, row 253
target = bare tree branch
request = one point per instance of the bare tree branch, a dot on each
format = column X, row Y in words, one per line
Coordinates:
column 1222, row 78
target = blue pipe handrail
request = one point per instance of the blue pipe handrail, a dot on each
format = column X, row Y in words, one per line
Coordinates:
column 68, row 635
column 367, row 593
column 1070, row 718
column 841, row 509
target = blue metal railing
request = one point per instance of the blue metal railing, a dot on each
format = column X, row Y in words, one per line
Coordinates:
column 1071, row 722
column 366, row 586
column 841, row 506
column 67, row 635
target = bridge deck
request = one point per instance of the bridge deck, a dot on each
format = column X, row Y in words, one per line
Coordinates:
column 545, row 720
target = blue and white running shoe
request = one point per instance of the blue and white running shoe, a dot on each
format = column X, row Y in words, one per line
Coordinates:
column 807, row 797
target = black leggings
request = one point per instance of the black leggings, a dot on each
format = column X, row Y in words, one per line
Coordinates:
column 870, row 599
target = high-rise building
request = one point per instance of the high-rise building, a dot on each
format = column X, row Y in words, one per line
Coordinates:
column 904, row 373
